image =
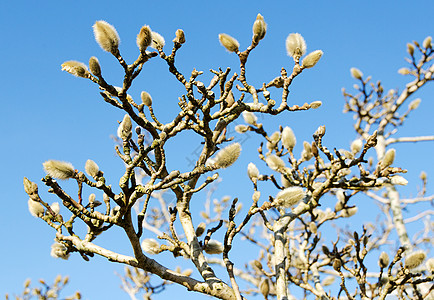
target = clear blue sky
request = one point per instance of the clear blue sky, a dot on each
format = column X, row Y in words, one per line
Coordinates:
column 49, row 114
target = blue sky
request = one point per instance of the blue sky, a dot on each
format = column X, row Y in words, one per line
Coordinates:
column 48, row 114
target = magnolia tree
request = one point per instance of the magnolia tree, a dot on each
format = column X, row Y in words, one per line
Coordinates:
column 285, row 228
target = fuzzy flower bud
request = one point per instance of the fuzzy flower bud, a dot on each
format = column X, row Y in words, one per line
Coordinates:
column 59, row 250
column 410, row 49
column 228, row 155
column 214, row 247
column 288, row 138
column 295, row 45
column 356, row 146
column 252, row 172
column 151, row 246
column 415, row 259
column 125, row 127
column 91, row 168
column 414, row 104
column 179, row 37
column 311, row 59
column 75, row 68
column 229, row 42
column 35, row 208
column 55, row 207
column 249, row 117
column 356, row 73
column 146, row 98
column 59, row 169
column 289, row 197
column 329, row 280
column 200, row 229
column 349, row 212
column 383, row 261
column 106, row 36
column 275, row 163
column 398, row 180
column 427, row 42
column 388, row 159
column 94, row 66
column 158, row 41
column 259, row 28
column 315, row 104
column 264, row 287
column 256, row 195
column 144, row 38
column 241, row 128
column 30, row 187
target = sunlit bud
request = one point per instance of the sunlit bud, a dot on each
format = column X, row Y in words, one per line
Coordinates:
column 258, row 264
column 289, row 196
column 92, row 198
column 59, row 169
column 275, row 163
column 427, row 42
column 388, row 159
column 200, row 229
column 214, row 247
column 285, row 182
column 288, row 138
column 256, row 195
column 27, row 283
column 94, row 66
column 30, row 187
column 75, row 68
column 158, row 41
column 146, row 98
column 311, row 59
column 125, row 128
column 55, row 207
column 91, row 168
column 341, row 196
column 36, row 209
column 398, row 180
column 349, row 212
column 187, row 272
column 228, row 155
column 241, row 128
column 295, row 45
column 337, row 264
column 274, row 139
column 106, row 36
column 415, row 259
column 321, row 130
column 414, row 104
column 144, row 38
column 410, row 49
column 259, row 28
column 59, row 250
column 315, row 104
column 150, row 246
column 383, row 261
column 252, row 172
column 328, row 280
column 430, row 265
column 229, row 42
column 179, row 37
column 356, row 73
column 307, row 151
column 249, row 117
column 264, row 287
column 313, row 228
column 423, row 176
column 356, row 146
column 404, row 71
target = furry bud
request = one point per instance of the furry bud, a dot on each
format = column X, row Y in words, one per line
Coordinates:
column 30, row 187
column 229, row 42
column 59, row 169
column 295, row 45
column 151, row 246
column 289, row 197
column 383, row 261
column 415, row 259
column 146, row 98
column 91, row 168
column 388, row 159
column 106, row 36
column 179, row 37
column 427, row 42
column 288, row 138
column 398, row 180
column 356, row 73
column 200, row 229
column 158, row 41
column 252, row 172
column 249, row 117
column 144, row 38
column 59, row 250
column 35, row 208
column 94, row 66
column 311, row 59
column 259, row 28
column 275, row 163
column 214, row 247
column 75, row 68
column 125, row 128
column 227, row 156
